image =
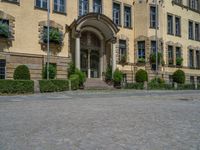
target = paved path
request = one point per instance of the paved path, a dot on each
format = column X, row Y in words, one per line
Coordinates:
column 101, row 120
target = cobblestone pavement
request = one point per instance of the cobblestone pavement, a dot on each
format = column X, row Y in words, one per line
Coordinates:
column 101, row 120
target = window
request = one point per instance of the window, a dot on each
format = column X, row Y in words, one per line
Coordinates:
column 2, row 68
column 190, row 30
column 170, row 24
column 198, row 80
column 127, row 16
column 192, row 80
column 141, row 49
column 59, row 6
column 197, row 32
column 170, row 55
column 153, row 46
column 97, row 6
column 178, row 1
column 178, row 52
column 12, row 1
column 41, row 4
column 116, row 14
column 198, row 59
column 83, row 7
column 191, row 58
column 122, row 49
column 178, row 26
column 152, row 17
column 194, row 4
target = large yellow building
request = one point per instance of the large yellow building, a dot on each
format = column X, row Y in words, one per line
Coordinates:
column 97, row 33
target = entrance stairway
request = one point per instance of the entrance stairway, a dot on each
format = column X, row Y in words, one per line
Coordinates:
column 96, row 84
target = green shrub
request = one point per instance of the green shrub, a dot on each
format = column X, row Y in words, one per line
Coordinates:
column 186, row 87
column 137, row 86
column 4, row 30
column 179, row 76
column 82, row 77
column 141, row 60
column 117, row 77
column 53, row 85
column 198, row 86
column 21, row 73
column 179, row 61
column 108, row 74
column 141, row 76
column 74, row 81
column 123, row 59
column 55, row 36
column 153, row 58
column 52, row 71
column 71, row 69
column 16, row 86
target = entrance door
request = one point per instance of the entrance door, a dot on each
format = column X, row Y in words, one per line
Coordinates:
column 94, row 64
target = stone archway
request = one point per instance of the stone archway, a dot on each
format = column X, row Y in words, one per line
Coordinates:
column 102, row 27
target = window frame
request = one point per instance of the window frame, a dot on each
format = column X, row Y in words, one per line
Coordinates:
column 17, row 2
column 179, row 18
column 2, row 68
column 121, row 42
column 170, row 55
column 120, row 13
column 38, row 7
column 191, row 35
column 140, row 49
column 99, row 6
column 130, row 21
column 84, row 12
column 172, row 24
column 60, row 12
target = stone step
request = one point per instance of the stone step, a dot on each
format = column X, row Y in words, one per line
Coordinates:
column 97, row 84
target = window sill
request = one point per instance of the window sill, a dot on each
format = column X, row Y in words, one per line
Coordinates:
column 16, row 3
column 172, row 34
column 130, row 28
column 61, row 13
column 154, row 28
column 177, row 35
column 40, row 8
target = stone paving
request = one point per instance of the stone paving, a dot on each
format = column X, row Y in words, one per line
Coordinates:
column 101, row 120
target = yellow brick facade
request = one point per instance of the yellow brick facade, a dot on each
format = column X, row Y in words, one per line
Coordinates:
column 25, row 48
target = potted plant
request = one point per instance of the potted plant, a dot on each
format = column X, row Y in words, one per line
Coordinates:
column 55, row 36
column 141, row 60
column 123, row 59
column 153, row 58
column 117, row 78
column 4, row 30
column 179, row 61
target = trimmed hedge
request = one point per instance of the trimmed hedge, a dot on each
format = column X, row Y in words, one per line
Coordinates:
column 157, row 86
column 53, row 85
column 186, row 87
column 22, row 73
column 16, row 86
column 137, row 86
column 179, row 76
column 141, row 76
column 74, row 81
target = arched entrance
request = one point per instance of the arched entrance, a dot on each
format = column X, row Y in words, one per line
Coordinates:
column 93, row 39
column 91, row 54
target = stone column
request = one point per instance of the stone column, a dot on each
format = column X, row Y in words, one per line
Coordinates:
column 101, row 59
column 77, row 51
column 114, row 65
column 89, row 70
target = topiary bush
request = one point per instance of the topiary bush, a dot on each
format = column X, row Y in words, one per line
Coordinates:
column 141, row 76
column 179, row 76
column 22, row 73
column 117, row 77
column 179, row 61
column 52, row 71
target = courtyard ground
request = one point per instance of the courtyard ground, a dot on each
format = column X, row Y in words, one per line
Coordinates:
column 101, row 120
